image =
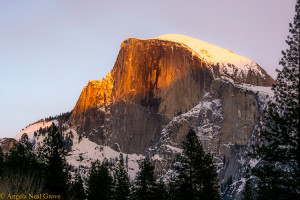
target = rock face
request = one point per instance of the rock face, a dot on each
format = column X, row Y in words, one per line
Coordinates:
column 226, row 119
column 86, row 115
column 6, row 144
column 226, row 110
column 153, row 81
column 160, row 88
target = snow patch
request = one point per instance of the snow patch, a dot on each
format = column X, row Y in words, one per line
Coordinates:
column 253, row 162
column 174, row 149
column 157, row 157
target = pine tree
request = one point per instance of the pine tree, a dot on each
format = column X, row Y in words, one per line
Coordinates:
column 21, row 171
column 1, row 162
column 278, row 171
column 161, row 191
column 122, row 187
column 25, row 141
column 21, row 158
column 53, row 155
column 77, row 190
column 145, row 182
column 247, row 193
column 197, row 177
column 100, row 182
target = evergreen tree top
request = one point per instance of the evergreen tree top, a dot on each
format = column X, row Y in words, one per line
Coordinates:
column 279, row 153
column 197, row 176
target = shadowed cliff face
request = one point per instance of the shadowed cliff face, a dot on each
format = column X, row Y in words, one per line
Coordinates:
column 152, row 81
column 226, row 122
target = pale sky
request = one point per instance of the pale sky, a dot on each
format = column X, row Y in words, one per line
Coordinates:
column 50, row 49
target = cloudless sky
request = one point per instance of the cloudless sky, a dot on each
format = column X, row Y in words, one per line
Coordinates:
column 50, row 49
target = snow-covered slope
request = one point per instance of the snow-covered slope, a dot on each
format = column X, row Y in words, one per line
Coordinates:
column 29, row 130
column 211, row 53
column 229, row 62
column 83, row 151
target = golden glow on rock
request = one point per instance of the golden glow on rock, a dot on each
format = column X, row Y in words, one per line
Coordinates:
column 96, row 93
column 169, row 73
column 102, row 89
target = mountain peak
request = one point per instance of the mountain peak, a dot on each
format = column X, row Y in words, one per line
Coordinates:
column 158, row 89
column 163, row 77
column 211, row 53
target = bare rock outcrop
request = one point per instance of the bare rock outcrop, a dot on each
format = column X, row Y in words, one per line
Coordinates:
column 87, row 114
column 6, row 144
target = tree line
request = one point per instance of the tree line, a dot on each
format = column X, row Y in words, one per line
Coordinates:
column 45, row 171
column 61, row 118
